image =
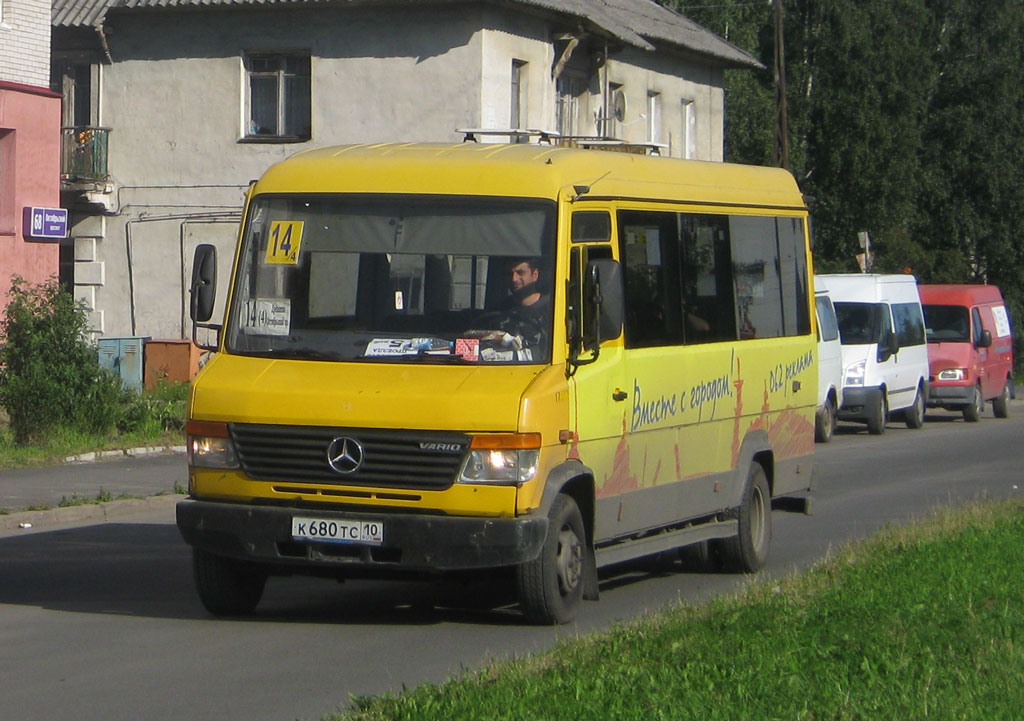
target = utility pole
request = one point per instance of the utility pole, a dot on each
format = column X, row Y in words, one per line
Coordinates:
column 781, row 120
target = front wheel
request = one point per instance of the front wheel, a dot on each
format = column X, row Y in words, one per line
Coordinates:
column 747, row 551
column 227, row 587
column 1001, row 405
column 879, row 415
column 973, row 410
column 914, row 416
column 551, row 585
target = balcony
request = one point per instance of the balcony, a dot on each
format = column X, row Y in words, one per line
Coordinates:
column 84, row 157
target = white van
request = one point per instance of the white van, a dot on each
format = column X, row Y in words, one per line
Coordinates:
column 830, row 368
column 885, row 357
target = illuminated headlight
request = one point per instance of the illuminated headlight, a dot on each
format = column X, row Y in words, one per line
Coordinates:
column 953, row 374
column 855, row 374
column 210, row 445
column 502, row 459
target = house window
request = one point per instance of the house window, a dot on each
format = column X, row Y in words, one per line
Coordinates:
column 279, row 97
column 653, row 117
column 616, row 111
column 689, row 135
column 567, row 88
column 517, row 113
column 7, row 220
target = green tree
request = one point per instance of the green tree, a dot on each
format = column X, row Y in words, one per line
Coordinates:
column 50, row 376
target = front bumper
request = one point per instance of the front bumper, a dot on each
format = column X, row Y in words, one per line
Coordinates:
column 941, row 396
column 412, row 543
column 859, row 402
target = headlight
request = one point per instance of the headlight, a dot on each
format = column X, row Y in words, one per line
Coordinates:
column 855, row 374
column 504, row 459
column 210, row 446
column 953, row 374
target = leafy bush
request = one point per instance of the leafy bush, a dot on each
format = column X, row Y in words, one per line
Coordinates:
column 50, row 376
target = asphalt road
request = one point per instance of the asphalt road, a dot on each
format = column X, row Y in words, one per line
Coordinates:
column 99, row 620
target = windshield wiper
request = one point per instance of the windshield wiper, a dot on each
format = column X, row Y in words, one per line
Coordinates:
column 443, row 358
column 296, row 354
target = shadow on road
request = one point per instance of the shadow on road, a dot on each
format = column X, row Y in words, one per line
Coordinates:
column 145, row 570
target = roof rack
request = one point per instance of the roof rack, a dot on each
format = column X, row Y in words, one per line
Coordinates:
column 470, row 135
column 597, row 142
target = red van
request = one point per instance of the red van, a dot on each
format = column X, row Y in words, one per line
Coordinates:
column 970, row 348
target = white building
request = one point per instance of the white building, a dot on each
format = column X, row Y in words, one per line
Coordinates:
column 173, row 106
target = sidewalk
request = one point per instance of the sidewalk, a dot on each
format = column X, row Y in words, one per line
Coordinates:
column 69, row 492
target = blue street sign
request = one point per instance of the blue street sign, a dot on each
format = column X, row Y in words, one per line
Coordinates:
column 45, row 223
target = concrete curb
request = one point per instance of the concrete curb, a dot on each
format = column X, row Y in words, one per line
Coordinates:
column 123, row 453
column 85, row 514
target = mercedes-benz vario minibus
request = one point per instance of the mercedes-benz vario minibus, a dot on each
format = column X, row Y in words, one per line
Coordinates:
column 516, row 358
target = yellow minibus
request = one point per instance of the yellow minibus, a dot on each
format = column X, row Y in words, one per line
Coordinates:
column 536, row 360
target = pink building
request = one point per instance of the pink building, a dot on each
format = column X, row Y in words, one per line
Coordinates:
column 29, row 177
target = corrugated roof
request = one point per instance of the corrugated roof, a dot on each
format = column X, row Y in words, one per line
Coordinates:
column 639, row 23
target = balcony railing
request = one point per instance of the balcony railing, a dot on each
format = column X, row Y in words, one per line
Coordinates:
column 84, row 154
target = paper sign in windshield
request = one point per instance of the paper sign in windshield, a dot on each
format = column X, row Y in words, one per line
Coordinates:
column 407, row 346
column 267, row 316
column 284, row 242
column 468, row 348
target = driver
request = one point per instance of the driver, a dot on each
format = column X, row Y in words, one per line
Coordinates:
column 527, row 310
column 524, row 274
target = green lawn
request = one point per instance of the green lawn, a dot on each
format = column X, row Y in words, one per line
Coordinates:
column 920, row 622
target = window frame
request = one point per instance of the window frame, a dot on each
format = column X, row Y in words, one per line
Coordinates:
column 287, row 81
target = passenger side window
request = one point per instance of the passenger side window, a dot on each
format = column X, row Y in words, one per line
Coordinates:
column 793, row 276
column 708, row 285
column 649, row 245
column 701, row 278
column 828, row 327
column 909, row 324
column 976, row 323
column 755, row 257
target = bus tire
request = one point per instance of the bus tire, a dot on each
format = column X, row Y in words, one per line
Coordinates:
column 747, row 551
column 914, row 416
column 551, row 585
column 825, row 421
column 227, row 587
column 879, row 416
column 973, row 410
column 697, row 557
column 1001, row 405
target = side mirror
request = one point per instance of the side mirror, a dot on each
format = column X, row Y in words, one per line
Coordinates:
column 203, row 293
column 985, row 341
column 602, row 302
column 889, row 347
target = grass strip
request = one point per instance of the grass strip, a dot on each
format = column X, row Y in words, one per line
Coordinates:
column 924, row 621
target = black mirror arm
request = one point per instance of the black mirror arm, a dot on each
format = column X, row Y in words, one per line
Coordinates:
column 218, row 327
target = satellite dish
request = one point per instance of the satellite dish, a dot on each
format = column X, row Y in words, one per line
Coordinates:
column 618, row 109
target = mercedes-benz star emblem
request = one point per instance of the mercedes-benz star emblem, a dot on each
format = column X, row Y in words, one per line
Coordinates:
column 344, row 455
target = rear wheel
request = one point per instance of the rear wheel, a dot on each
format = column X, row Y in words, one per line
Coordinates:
column 227, row 587
column 1001, row 405
column 973, row 410
column 551, row 585
column 914, row 416
column 879, row 415
column 825, row 421
column 747, row 551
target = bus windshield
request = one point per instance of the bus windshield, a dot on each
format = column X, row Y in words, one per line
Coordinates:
column 395, row 279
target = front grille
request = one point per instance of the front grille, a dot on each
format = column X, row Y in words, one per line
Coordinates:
column 421, row 460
